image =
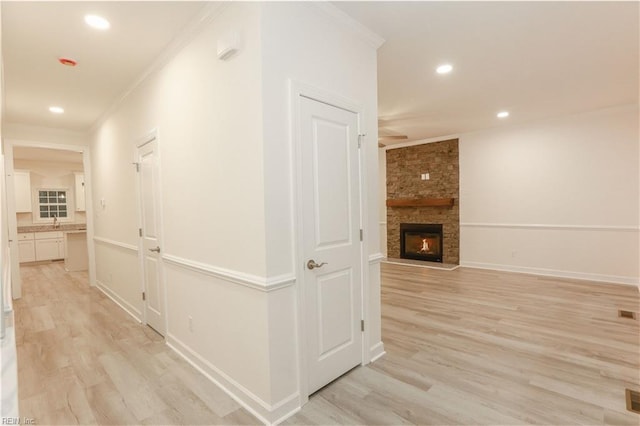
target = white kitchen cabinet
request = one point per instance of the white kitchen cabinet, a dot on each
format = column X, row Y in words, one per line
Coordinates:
column 49, row 245
column 26, row 247
column 80, row 197
column 22, row 186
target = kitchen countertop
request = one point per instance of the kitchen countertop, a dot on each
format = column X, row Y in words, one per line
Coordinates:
column 44, row 228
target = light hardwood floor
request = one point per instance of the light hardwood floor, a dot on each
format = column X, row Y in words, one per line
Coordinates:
column 463, row 347
column 83, row 360
column 481, row 347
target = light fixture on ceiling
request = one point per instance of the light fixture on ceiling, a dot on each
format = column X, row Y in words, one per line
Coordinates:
column 56, row 109
column 97, row 22
column 444, row 69
column 502, row 114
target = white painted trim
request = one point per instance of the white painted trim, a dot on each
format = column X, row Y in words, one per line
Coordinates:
column 538, row 226
column 377, row 351
column 114, row 243
column 252, row 281
column 383, row 223
column 614, row 279
column 207, row 15
column 342, row 19
column 126, row 306
column 376, row 257
column 243, row 396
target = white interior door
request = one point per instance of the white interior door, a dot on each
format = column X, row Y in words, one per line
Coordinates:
column 331, row 235
column 150, row 235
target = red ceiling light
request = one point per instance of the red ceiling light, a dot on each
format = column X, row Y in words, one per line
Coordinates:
column 68, row 62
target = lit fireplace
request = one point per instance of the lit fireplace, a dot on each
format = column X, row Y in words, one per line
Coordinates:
column 421, row 241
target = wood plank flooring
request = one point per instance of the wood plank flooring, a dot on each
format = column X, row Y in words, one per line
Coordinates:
column 463, row 347
column 83, row 360
column 482, row 347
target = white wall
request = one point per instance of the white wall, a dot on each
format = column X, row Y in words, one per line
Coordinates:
column 208, row 116
column 226, row 162
column 570, row 187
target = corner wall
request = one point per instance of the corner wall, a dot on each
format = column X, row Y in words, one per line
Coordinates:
column 226, row 162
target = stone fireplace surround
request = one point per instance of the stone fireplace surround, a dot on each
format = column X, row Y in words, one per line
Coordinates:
column 404, row 169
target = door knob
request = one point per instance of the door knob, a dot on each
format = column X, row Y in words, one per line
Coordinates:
column 157, row 249
column 312, row 264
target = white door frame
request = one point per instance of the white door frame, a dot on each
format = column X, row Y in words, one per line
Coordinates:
column 16, row 280
column 296, row 91
column 153, row 134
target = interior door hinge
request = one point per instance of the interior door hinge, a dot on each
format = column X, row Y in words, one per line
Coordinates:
column 361, row 234
column 361, row 325
column 144, row 296
column 360, row 137
column 140, row 232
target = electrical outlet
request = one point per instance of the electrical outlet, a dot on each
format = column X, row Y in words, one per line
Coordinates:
column 190, row 318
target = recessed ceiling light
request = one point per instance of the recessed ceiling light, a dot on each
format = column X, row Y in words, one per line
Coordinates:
column 502, row 114
column 56, row 109
column 97, row 22
column 444, row 69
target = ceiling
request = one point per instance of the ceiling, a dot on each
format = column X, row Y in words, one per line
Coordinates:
column 36, row 34
column 534, row 59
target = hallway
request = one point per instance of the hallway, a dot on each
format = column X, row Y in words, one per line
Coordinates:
column 83, row 360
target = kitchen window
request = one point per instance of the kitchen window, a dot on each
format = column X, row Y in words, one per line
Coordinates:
column 52, row 203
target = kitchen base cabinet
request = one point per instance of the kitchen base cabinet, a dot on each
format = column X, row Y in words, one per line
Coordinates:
column 49, row 245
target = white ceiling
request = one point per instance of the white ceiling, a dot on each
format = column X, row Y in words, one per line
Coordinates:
column 535, row 59
column 35, row 34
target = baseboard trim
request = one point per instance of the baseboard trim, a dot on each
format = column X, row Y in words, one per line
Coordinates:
column 126, row 306
column 376, row 352
column 376, row 257
column 247, row 280
column 266, row 413
column 611, row 279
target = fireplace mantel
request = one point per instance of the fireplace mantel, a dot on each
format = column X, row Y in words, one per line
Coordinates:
column 420, row 202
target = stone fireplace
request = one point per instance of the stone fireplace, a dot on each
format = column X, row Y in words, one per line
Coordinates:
column 412, row 199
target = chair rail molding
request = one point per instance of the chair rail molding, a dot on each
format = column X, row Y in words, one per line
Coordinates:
column 248, row 280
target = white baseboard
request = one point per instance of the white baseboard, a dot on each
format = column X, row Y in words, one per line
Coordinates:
column 613, row 279
column 266, row 413
column 376, row 352
column 126, row 306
